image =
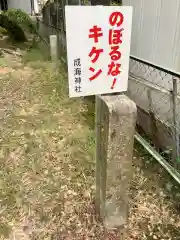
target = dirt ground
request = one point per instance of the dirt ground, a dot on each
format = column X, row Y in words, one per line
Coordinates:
column 47, row 166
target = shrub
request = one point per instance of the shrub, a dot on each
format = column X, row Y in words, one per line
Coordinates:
column 22, row 19
column 13, row 28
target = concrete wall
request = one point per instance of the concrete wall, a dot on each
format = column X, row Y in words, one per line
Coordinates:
column 160, row 103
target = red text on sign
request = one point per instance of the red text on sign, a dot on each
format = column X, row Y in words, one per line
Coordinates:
column 114, row 69
column 96, row 52
column 115, row 36
column 114, row 81
column 115, row 39
column 96, row 74
column 96, row 32
column 116, row 18
column 115, row 53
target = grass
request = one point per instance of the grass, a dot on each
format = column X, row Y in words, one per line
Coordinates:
column 155, row 200
column 46, row 156
column 3, row 31
column 47, row 146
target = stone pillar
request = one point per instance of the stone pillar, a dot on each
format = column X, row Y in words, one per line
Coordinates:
column 53, row 48
column 117, row 128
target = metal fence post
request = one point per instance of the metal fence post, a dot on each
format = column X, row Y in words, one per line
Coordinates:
column 175, row 153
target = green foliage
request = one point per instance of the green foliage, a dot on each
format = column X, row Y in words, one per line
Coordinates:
column 3, row 62
column 37, row 52
column 3, row 31
column 116, row 3
column 34, row 55
column 13, row 28
column 22, row 18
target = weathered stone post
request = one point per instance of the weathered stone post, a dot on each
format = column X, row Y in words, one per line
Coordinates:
column 53, row 48
column 116, row 140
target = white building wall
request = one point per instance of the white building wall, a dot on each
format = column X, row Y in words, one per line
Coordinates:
column 156, row 32
column 24, row 5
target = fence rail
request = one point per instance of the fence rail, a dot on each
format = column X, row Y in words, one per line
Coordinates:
column 157, row 94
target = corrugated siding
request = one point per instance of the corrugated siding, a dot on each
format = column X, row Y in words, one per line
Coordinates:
column 25, row 5
column 156, row 32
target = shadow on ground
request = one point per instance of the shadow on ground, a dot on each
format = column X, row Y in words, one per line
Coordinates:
column 89, row 115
